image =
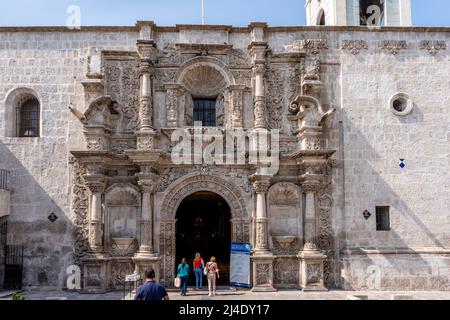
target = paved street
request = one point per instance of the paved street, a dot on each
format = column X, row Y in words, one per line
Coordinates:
column 239, row 295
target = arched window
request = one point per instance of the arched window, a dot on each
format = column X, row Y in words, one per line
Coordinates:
column 28, row 118
column 321, row 20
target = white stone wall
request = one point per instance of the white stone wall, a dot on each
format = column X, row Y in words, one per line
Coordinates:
column 5, row 203
column 53, row 64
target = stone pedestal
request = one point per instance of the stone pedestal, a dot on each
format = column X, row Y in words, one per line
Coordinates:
column 95, row 273
column 311, row 270
column 263, row 272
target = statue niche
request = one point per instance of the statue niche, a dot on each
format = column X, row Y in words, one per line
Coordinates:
column 285, row 215
column 122, row 215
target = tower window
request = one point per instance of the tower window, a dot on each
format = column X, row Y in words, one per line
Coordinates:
column 371, row 12
column 383, row 219
column 321, row 21
column 205, row 112
column 28, row 118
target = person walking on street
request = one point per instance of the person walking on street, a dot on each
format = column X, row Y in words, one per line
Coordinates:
column 198, row 265
column 183, row 274
column 213, row 274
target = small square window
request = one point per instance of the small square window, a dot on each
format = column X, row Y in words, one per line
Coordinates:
column 383, row 219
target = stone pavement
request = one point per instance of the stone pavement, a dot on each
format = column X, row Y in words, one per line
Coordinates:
column 243, row 295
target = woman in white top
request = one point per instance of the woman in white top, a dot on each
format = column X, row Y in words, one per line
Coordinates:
column 213, row 274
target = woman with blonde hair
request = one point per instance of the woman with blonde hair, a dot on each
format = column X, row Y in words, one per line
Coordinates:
column 212, row 275
column 198, row 265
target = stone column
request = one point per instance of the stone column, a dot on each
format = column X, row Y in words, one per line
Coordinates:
column 262, row 257
column 96, row 184
column 311, row 259
column 258, row 52
column 261, row 188
column 146, row 256
column 146, row 49
column 146, row 97
column 147, row 183
column 260, row 118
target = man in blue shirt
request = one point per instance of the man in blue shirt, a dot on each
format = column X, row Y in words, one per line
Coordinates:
column 151, row 290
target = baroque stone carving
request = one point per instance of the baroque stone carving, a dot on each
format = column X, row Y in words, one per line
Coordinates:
column 80, row 205
column 325, row 240
column 284, row 194
column 276, row 79
column 262, row 274
column 355, row 46
column 202, row 182
column 394, row 46
column 285, row 273
column 314, row 273
column 433, row 47
column 122, row 84
column 119, row 270
column 315, row 45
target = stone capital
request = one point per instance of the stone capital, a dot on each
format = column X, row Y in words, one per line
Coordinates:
column 146, row 67
column 147, row 182
column 261, row 183
column 312, row 186
column 95, row 182
column 146, row 49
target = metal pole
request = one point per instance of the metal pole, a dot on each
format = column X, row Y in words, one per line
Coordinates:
column 203, row 12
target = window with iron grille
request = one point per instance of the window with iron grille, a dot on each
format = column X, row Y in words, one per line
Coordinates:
column 28, row 119
column 205, row 112
column 383, row 219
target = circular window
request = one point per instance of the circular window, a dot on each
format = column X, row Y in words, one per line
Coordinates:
column 401, row 104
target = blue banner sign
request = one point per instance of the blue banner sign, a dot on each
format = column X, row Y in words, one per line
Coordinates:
column 240, row 265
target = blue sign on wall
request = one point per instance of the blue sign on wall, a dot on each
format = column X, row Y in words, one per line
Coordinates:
column 240, row 264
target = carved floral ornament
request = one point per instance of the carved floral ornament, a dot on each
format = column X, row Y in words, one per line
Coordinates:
column 394, row 46
column 433, row 47
column 354, row 46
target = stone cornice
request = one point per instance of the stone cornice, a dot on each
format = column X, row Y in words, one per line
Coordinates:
column 223, row 28
column 393, row 251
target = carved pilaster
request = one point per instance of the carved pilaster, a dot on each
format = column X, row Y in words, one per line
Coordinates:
column 237, row 106
column 173, row 92
column 96, row 185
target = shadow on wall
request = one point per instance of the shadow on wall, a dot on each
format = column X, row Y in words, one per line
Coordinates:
column 370, row 181
column 48, row 247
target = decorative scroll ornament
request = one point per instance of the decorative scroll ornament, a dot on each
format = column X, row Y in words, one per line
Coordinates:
column 315, row 45
column 355, row 46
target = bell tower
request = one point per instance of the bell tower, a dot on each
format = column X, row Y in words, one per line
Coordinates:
column 359, row 13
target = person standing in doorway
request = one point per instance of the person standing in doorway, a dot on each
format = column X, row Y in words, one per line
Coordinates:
column 213, row 274
column 183, row 274
column 198, row 265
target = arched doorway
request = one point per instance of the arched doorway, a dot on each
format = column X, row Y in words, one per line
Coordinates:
column 204, row 225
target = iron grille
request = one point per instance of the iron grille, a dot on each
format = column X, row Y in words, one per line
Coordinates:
column 205, row 112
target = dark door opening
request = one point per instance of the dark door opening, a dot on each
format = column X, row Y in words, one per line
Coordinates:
column 203, row 225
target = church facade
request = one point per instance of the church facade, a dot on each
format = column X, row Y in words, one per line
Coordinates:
column 359, row 199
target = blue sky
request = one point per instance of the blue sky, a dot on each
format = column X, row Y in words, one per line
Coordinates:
column 171, row 12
